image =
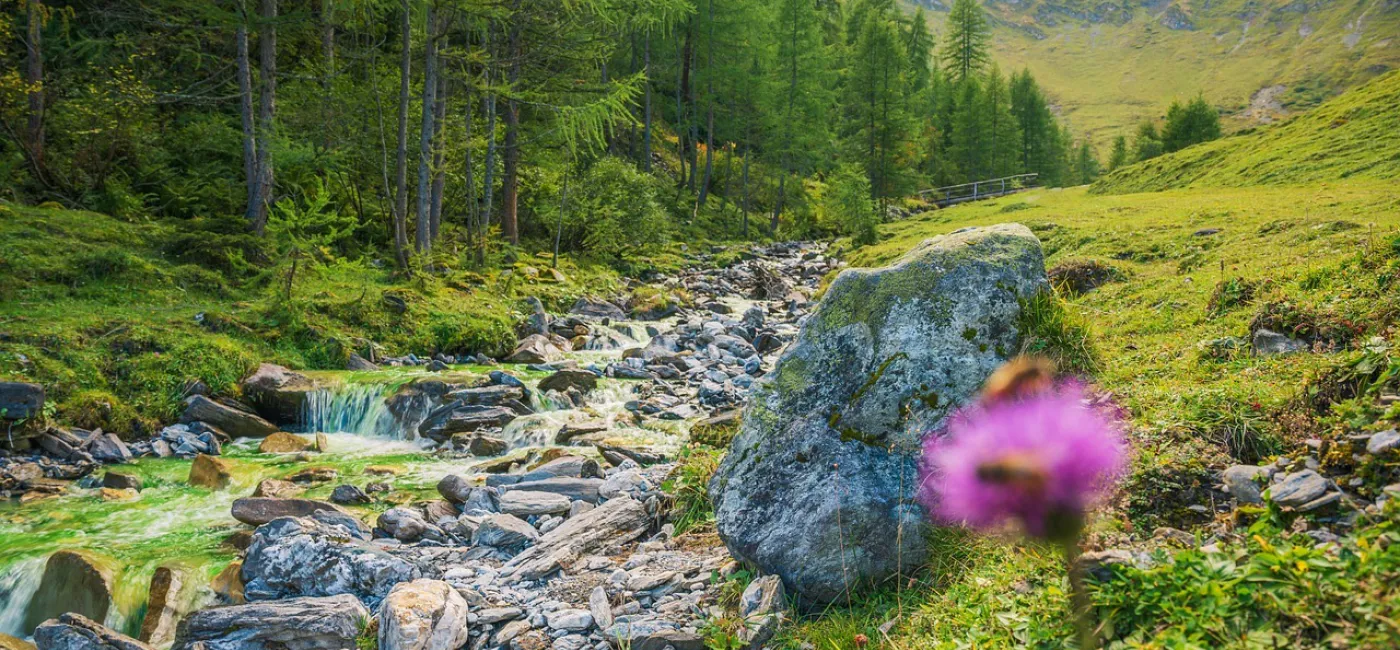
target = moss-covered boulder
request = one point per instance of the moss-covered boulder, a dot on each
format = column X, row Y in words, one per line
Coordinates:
column 818, row 485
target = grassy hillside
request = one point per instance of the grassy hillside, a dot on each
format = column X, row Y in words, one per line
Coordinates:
column 1350, row 136
column 115, row 317
column 1320, row 262
column 1112, row 65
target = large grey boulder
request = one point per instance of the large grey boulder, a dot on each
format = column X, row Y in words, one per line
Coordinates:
column 330, row 623
column 423, row 615
column 238, row 423
column 277, row 393
column 818, row 484
column 298, row 556
column 73, row 582
column 459, row 417
column 78, row 632
column 21, row 400
column 616, row 522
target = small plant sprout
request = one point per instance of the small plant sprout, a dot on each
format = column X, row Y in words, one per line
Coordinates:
column 1031, row 451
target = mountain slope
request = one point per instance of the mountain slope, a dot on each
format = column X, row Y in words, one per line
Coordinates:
column 1109, row 65
column 1350, row 136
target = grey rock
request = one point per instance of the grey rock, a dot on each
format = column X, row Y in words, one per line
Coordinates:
column 570, row 620
column 407, row 525
column 1270, row 343
column 505, row 532
column 325, row 623
column 884, row 357
column 600, row 607
column 119, row 481
column 423, row 615
column 276, row 393
column 349, row 495
column 1243, row 482
column 78, row 632
column 459, row 417
column 597, row 309
column 650, row 633
column 563, row 380
column 615, row 522
column 585, row 489
column 1298, row 488
column 292, row 557
column 536, row 348
column 20, row 400
column 256, row 511
column 565, row 467
column 1383, row 442
column 238, row 423
column 108, row 448
column 524, row 503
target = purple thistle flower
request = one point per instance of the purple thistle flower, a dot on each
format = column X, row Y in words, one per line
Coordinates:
column 1042, row 459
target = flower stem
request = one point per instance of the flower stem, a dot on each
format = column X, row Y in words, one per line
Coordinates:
column 1079, row 596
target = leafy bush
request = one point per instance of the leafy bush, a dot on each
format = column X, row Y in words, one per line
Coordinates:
column 846, row 206
column 688, row 484
column 615, row 211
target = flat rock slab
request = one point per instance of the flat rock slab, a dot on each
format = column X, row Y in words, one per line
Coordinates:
column 614, row 522
column 239, row 424
column 328, row 623
column 524, row 503
column 256, row 511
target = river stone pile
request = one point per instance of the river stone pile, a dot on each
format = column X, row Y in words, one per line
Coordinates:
column 818, row 485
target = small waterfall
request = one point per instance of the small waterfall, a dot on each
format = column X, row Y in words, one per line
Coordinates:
column 349, row 408
column 18, row 582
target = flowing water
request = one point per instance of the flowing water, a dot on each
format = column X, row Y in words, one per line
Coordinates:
column 172, row 523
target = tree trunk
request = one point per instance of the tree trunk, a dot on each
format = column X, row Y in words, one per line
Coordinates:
column 646, row 113
column 328, row 60
column 747, row 154
column 401, row 164
column 267, row 110
column 488, row 183
column 681, row 80
column 34, row 77
column 510, row 174
column 468, row 173
column 245, row 110
column 439, row 145
column 423, row 233
column 559, row 227
column 709, row 113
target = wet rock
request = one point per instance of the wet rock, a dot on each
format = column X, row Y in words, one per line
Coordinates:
column 349, row 495
column 616, row 522
column 536, row 348
column 1383, row 442
column 563, row 380
column 108, row 448
column 276, row 393
column 423, row 615
column 523, row 503
column 459, row 418
column 1270, row 343
column 1243, row 482
column 407, row 525
column 256, row 511
column 460, row 491
column 593, row 308
column 72, row 631
column 568, row 432
column 210, row 472
column 505, row 532
column 490, row 395
column 72, row 582
column 276, row 488
column 282, row 442
column 479, row 445
column 1298, row 488
column 119, row 481
column 298, row 556
column 314, row 476
column 328, row 623
column 357, row 362
column 238, row 423
column 883, row 358
column 164, row 607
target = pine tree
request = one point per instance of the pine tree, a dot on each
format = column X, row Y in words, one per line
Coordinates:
column 1003, row 132
column 1119, row 156
column 1147, row 144
column 1193, row 123
column 1086, row 164
column 965, row 47
column 971, row 129
column 877, row 87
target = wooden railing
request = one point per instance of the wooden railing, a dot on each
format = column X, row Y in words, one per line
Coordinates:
column 978, row 190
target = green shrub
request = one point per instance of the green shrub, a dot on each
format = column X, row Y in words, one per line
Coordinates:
column 688, row 485
column 98, row 409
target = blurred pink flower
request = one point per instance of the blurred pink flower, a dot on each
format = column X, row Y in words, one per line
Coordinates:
column 1042, row 459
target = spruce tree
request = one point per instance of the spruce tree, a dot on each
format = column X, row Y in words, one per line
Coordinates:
column 965, row 46
column 1119, row 156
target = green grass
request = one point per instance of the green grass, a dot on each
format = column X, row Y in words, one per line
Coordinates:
column 1319, row 261
column 115, row 321
column 1351, row 136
